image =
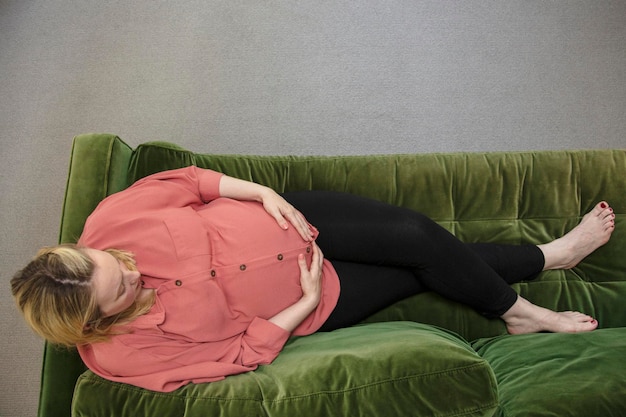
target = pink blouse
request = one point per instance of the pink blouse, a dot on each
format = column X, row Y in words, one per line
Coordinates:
column 220, row 267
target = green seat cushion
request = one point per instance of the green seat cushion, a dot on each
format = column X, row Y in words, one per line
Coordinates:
column 395, row 369
column 559, row 374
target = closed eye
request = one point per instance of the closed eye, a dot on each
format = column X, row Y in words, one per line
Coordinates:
column 122, row 287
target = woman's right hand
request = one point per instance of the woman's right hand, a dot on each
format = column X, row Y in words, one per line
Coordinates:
column 311, row 283
column 311, row 276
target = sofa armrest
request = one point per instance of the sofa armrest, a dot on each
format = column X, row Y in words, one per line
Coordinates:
column 98, row 167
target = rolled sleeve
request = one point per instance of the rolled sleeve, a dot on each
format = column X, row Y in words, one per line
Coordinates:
column 262, row 342
column 208, row 183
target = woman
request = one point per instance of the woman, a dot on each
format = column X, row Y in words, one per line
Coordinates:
column 190, row 275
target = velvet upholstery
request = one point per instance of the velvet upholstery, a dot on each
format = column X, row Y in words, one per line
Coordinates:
column 559, row 374
column 378, row 369
column 381, row 365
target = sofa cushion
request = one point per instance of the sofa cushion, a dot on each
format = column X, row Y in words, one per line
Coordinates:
column 368, row 370
column 550, row 374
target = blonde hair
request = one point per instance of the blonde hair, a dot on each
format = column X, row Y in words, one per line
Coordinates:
column 55, row 294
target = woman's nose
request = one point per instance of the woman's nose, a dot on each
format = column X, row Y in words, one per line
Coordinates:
column 134, row 277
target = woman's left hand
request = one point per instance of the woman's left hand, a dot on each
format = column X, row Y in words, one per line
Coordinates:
column 274, row 204
column 286, row 214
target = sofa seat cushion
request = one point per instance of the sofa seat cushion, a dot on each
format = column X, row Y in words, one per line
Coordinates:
column 395, row 369
column 559, row 374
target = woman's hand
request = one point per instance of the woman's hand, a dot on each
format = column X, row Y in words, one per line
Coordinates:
column 286, row 214
column 311, row 276
column 311, row 283
column 274, row 204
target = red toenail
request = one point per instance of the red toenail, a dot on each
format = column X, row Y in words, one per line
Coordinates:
column 603, row 205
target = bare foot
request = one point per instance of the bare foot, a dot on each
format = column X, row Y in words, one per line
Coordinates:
column 525, row 317
column 593, row 231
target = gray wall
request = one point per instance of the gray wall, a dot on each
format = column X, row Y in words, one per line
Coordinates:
column 291, row 77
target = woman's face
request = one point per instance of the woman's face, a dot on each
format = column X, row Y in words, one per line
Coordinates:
column 116, row 286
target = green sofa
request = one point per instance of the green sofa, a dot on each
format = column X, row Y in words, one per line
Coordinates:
column 424, row 356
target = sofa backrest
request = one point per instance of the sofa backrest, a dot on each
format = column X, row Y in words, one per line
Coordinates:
column 506, row 197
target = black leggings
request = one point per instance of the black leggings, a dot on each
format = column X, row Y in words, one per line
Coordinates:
column 384, row 253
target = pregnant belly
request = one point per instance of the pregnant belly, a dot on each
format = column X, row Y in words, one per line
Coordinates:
column 254, row 261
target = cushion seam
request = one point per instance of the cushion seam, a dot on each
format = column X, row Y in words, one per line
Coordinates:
column 126, row 387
